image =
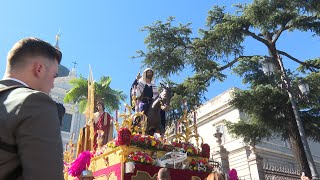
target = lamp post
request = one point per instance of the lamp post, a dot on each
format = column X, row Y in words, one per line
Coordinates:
column 268, row 67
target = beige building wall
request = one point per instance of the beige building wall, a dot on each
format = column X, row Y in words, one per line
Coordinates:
column 275, row 153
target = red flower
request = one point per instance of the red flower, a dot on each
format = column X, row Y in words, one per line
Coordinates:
column 124, row 137
column 193, row 162
column 135, row 158
column 205, row 150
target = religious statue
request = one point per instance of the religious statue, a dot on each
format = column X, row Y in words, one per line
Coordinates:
column 145, row 97
column 102, row 122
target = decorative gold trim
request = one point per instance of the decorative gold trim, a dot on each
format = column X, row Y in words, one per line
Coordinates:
column 141, row 173
column 195, row 178
column 110, row 176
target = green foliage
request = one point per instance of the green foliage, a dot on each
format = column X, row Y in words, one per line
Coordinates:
column 220, row 45
column 255, row 131
column 167, row 47
column 103, row 92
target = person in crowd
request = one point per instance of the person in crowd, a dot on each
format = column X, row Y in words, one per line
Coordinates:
column 86, row 175
column 164, row 174
column 30, row 139
column 304, row 177
column 215, row 176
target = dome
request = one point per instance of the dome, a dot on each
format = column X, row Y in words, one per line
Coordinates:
column 63, row 71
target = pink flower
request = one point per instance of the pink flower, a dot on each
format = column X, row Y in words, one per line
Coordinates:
column 233, row 175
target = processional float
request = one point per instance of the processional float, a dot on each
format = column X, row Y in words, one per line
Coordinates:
column 135, row 155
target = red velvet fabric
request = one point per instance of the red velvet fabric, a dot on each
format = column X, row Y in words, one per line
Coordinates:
column 100, row 126
column 176, row 174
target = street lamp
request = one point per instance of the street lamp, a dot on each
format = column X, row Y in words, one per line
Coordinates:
column 268, row 67
column 304, row 88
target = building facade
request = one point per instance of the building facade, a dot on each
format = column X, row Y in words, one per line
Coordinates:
column 73, row 120
column 271, row 159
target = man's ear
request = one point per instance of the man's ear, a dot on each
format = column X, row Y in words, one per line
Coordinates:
column 37, row 68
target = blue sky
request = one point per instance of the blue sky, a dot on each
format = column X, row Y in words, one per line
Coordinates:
column 105, row 33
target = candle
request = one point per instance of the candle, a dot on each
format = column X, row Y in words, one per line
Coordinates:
column 72, row 136
column 117, row 115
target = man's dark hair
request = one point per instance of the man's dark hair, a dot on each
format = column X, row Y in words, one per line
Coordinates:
column 101, row 103
column 30, row 47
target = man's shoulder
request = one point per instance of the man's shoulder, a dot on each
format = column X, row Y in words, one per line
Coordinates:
column 23, row 94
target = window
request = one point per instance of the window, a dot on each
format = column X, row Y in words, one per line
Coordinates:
column 66, row 122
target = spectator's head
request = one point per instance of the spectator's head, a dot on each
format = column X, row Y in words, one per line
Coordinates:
column 164, row 174
column 86, row 175
column 215, row 176
column 35, row 62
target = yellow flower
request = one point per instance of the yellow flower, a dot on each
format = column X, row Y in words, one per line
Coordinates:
column 153, row 143
column 189, row 150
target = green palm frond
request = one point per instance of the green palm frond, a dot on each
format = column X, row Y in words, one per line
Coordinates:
column 82, row 105
column 103, row 92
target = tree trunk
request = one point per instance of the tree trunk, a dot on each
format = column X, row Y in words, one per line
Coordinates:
column 297, row 148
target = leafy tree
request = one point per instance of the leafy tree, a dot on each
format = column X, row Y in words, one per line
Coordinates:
column 171, row 49
column 79, row 93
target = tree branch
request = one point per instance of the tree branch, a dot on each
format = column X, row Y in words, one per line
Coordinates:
column 253, row 35
column 278, row 33
column 234, row 61
column 298, row 61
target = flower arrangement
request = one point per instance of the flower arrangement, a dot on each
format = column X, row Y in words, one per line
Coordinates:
column 200, row 165
column 193, row 165
column 187, row 147
column 233, row 175
column 145, row 141
column 155, row 143
column 124, row 137
column 205, row 150
column 167, row 147
column 140, row 157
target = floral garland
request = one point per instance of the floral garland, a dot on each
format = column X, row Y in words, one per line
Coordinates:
column 187, row 147
column 201, row 165
column 205, row 150
column 140, row 157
